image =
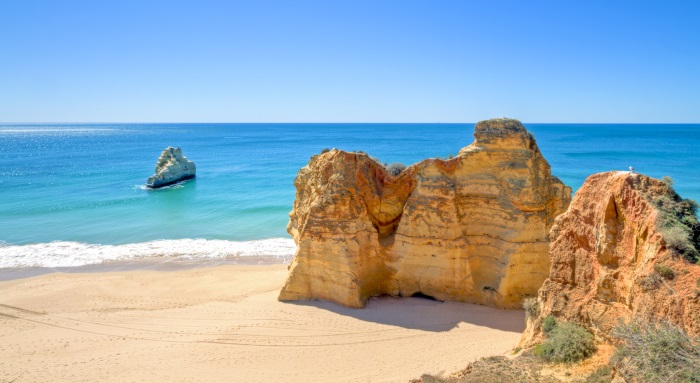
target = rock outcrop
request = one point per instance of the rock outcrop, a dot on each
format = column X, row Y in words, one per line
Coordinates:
column 613, row 258
column 472, row 228
column 171, row 167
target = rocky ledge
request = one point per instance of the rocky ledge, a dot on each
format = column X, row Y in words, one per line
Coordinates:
column 171, row 167
column 472, row 228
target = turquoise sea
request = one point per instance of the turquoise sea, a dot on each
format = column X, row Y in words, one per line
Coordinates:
column 73, row 194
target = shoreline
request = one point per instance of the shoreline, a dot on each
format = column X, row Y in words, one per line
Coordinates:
column 185, row 322
column 163, row 264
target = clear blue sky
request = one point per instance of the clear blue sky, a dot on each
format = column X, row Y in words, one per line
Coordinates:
column 349, row 61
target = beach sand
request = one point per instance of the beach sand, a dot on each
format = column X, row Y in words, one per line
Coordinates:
column 224, row 324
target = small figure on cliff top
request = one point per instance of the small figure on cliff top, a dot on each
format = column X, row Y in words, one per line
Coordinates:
column 631, row 170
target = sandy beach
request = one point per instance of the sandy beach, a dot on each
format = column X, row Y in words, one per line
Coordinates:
column 224, row 323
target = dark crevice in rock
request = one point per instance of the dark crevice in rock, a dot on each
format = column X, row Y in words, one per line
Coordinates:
column 424, row 296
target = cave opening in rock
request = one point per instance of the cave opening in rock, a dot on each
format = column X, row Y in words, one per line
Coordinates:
column 424, row 296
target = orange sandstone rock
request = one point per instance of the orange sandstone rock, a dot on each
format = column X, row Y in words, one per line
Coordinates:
column 472, row 228
column 604, row 252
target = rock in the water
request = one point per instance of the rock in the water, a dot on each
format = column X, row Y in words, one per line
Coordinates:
column 172, row 167
column 472, row 228
column 611, row 258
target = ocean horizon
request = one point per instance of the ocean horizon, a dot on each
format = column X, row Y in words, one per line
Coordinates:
column 74, row 194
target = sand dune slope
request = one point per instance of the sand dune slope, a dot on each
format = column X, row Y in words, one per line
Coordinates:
column 224, row 324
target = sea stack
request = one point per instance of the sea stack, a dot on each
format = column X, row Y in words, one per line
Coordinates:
column 171, row 167
column 472, row 228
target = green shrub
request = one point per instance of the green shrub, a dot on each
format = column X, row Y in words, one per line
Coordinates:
column 549, row 324
column 664, row 271
column 532, row 307
column 325, row 150
column 678, row 223
column 395, row 169
column 566, row 343
column 656, row 352
column 667, row 180
column 677, row 239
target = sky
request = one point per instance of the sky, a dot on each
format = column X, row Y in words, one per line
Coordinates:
column 349, row 61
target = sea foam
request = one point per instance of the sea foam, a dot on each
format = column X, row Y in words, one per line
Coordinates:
column 72, row 254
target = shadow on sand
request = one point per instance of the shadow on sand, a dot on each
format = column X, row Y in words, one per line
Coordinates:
column 426, row 314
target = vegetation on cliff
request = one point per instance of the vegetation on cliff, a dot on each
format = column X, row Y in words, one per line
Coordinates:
column 565, row 343
column 678, row 221
column 656, row 353
column 395, row 169
column 525, row 368
column 646, row 352
column 531, row 307
column 496, row 369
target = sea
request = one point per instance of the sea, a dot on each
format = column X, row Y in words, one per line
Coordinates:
column 75, row 194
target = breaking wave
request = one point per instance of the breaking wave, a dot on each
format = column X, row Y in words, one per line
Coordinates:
column 72, row 254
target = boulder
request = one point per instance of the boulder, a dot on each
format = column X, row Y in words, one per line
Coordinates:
column 472, row 228
column 171, row 167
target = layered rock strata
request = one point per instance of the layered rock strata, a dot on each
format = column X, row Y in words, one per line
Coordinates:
column 611, row 259
column 171, row 167
column 472, row 228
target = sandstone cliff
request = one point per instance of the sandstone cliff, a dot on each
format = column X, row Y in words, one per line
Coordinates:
column 171, row 167
column 622, row 250
column 472, row 228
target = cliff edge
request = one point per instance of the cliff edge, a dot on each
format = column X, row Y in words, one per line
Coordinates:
column 472, row 228
column 624, row 249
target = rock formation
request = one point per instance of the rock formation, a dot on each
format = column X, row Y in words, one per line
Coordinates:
column 171, row 167
column 614, row 258
column 472, row 228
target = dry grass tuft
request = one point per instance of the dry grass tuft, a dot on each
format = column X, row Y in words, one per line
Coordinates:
column 656, row 352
